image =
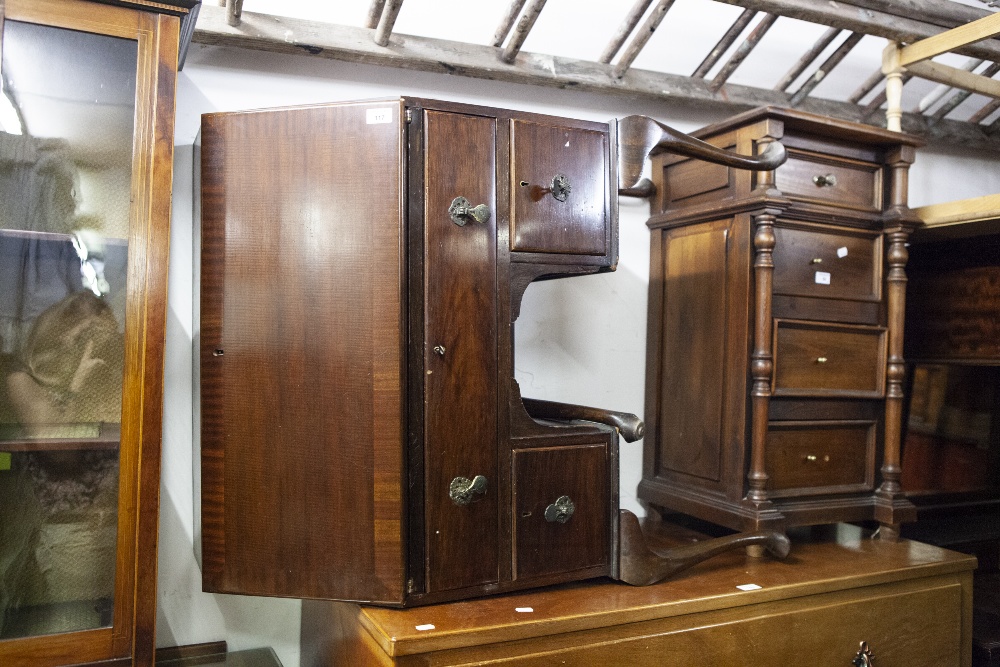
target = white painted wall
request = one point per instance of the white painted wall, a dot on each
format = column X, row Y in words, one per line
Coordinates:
column 579, row 340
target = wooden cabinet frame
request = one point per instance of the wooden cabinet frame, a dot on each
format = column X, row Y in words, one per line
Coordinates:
column 131, row 637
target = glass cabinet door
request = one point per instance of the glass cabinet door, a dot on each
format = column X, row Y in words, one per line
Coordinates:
column 65, row 184
column 84, row 207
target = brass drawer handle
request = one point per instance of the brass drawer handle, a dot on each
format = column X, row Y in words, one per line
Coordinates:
column 560, row 511
column 827, row 180
column 864, row 657
column 816, row 260
column 821, row 360
column 812, row 458
column 462, row 489
column 462, row 211
column 561, row 187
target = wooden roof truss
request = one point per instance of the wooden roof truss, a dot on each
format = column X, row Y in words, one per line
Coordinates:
column 917, row 30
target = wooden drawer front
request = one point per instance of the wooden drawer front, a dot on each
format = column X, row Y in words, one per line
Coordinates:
column 828, row 360
column 539, row 221
column 820, row 457
column 830, row 180
column 831, row 264
column 460, row 394
column 544, row 546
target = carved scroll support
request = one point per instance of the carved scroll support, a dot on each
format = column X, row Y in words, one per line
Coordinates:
column 641, row 565
column 641, row 136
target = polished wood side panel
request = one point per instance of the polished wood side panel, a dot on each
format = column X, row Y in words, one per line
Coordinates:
column 541, row 477
column 829, row 180
column 693, row 359
column 691, row 178
column 820, row 457
column 819, row 359
column 460, row 351
column 820, row 263
column 302, row 353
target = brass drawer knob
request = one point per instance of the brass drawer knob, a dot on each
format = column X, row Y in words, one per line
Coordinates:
column 821, row 360
column 560, row 511
column 825, row 180
column 864, row 657
column 462, row 211
column 561, row 187
column 462, row 489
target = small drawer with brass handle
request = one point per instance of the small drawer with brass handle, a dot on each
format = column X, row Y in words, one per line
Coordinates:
column 830, row 180
column 815, row 457
column 818, row 359
column 827, row 263
column 561, row 500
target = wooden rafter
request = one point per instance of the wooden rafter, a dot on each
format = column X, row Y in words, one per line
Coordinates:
column 289, row 35
column 735, row 30
column 507, row 22
column 963, row 95
column 385, row 24
column 624, row 30
column 835, row 59
column 642, row 37
column 949, row 40
column 743, row 51
column 524, row 26
column 806, row 60
column 985, row 112
column 933, row 97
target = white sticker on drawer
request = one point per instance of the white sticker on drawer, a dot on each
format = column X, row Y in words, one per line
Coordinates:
column 842, row 252
column 378, row 116
column 749, row 587
column 523, row 610
column 822, row 278
column 426, row 626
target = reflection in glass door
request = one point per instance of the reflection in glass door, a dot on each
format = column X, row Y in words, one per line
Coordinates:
column 67, row 114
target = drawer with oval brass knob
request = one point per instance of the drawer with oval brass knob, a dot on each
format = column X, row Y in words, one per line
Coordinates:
column 560, row 509
column 830, row 180
column 818, row 359
column 816, row 457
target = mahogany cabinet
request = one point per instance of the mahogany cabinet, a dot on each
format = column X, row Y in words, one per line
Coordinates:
column 85, row 175
column 775, row 374
column 362, row 435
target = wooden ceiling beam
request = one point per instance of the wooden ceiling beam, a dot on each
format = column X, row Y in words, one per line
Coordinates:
column 806, row 60
column 850, row 15
column 507, row 22
column 944, row 14
column 985, row 112
column 950, row 40
column 828, row 65
column 354, row 44
column 524, row 26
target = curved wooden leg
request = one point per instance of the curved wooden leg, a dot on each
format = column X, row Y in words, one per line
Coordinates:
column 640, row 565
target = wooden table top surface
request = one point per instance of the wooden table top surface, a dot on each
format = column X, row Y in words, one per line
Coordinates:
column 848, row 558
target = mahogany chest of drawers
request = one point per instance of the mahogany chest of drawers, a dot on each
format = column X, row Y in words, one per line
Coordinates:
column 775, row 370
column 910, row 603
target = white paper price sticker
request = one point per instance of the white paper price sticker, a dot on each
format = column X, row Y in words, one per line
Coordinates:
column 822, row 278
column 425, row 627
column 378, row 116
column 842, row 252
column 749, row 587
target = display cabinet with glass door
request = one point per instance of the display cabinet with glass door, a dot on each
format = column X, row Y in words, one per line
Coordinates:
column 86, row 118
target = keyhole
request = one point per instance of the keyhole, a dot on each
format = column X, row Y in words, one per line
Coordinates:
column 218, row 353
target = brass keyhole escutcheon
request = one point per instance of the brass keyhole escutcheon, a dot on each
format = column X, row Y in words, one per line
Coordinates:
column 462, row 211
column 462, row 489
column 560, row 511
